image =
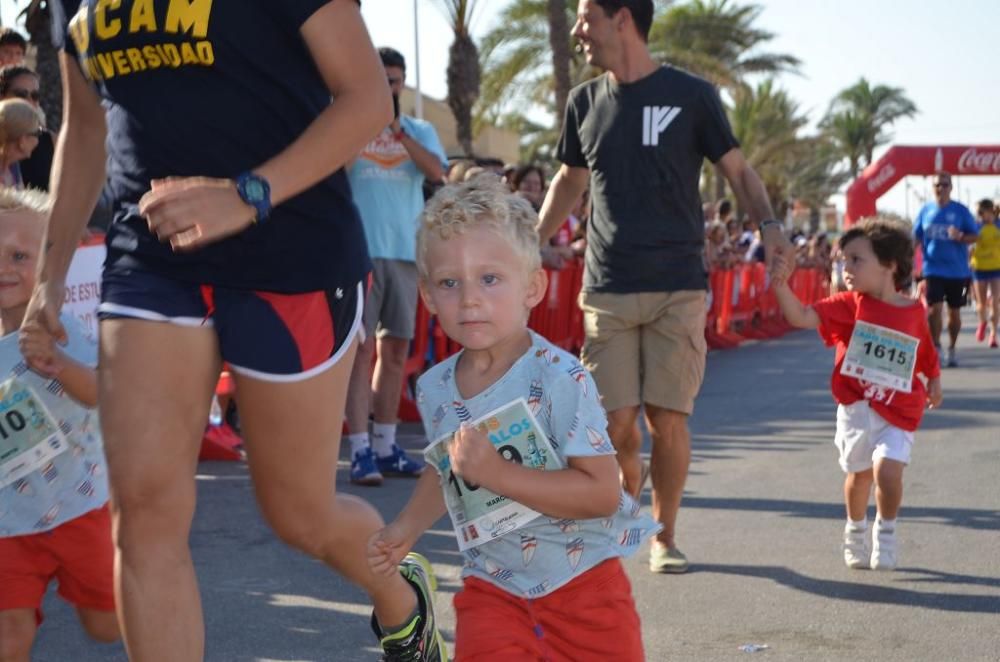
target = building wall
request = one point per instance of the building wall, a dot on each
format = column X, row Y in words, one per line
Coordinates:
column 491, row 141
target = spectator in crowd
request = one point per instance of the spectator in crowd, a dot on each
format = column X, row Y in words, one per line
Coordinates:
column 529, row 183
column 493, row 164
column 20, row 82
column 457, row 169
column 945, row 228
column 718, row 252
column 387, row 180
column 644, row 286
column 986, row 271
column 13, row 47
column 473, row 172
column 20, row 128
column 734, row 231
column 723, row 211
column 708, row 212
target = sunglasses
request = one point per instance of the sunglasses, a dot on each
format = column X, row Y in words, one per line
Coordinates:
column 34, row 95
column 942, row 185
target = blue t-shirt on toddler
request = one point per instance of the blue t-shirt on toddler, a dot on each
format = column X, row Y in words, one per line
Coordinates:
column 52, row 467
column 548, row 552
column 943, row 256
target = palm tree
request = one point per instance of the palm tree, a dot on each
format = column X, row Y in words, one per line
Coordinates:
column 815, row 171
column 716, row 40
column 518, row 56
column 561, row 54
column 849, row 132
column 766, row 121
column 38, row 22
column 859, row 116
column 463, row 70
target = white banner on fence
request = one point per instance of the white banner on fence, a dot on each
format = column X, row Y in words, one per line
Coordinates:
column 83, row 287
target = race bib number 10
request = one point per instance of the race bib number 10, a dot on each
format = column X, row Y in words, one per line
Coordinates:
column 881, row 356
column 29, row 436
column 477, row 514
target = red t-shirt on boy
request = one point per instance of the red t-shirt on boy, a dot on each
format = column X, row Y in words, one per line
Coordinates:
column 838, row 316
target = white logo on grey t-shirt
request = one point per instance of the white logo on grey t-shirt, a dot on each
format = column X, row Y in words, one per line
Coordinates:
column 654, row 120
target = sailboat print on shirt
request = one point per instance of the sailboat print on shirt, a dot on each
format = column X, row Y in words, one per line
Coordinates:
column 598, row 441
column 528, row 546
column 574, row 550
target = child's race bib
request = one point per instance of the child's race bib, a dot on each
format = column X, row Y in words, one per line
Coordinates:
column 29, row 436
column 477, row 514
column 881, row 356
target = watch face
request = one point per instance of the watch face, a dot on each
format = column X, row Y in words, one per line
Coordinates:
column 254, row 190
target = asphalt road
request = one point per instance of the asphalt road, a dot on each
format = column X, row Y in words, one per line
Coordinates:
column 761, row 522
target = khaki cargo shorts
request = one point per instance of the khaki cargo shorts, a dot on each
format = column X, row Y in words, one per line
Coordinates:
column 645, row 347
column 391, row 306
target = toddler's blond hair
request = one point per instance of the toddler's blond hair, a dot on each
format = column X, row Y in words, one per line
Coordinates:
column 483, row 201
column 32, row 199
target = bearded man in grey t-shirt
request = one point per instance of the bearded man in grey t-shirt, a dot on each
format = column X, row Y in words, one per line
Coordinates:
column 639, row 134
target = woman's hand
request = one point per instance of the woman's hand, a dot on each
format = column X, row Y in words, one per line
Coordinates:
column 191, row 212
column 38, row 346
column 43, row 309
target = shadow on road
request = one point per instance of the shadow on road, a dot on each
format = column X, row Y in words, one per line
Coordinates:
column 869, row 593
column 970, row 518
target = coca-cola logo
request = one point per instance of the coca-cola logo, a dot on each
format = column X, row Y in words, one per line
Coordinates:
column 881, row 178
column 976, row 161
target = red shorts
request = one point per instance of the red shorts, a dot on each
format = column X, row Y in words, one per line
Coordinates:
column 593, row 618
column 79, row 554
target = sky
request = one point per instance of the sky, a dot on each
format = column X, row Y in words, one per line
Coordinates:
column 941, row 54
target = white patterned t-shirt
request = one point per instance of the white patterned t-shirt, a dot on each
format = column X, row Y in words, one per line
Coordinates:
column 68, row 476
column 548, row 552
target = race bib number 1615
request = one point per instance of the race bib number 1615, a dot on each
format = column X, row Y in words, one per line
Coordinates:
column 881, row 356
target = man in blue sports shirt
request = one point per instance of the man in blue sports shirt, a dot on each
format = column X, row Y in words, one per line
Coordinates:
column 944, row 229
column 387, row 181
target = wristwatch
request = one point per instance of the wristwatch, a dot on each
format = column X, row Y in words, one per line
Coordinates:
column 771, row 221
column 256, row 192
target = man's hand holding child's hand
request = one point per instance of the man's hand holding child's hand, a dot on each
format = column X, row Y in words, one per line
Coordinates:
column 474, row 458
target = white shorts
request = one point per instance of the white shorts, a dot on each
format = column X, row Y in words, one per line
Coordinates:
column 863, row 437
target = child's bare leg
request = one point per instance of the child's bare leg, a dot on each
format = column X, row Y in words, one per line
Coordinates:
column 857, row 491
column 17, row 633
column 888, row 487
column 102, row 626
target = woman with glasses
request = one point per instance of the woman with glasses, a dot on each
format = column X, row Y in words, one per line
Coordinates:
column 20, row 82
column 20, row 126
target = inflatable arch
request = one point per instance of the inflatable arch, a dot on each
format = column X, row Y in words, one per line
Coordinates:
column 903, row 160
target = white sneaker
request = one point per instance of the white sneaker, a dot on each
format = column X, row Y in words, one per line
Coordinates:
column 855, row 547
column 885, row 549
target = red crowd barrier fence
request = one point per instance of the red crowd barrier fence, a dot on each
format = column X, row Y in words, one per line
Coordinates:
column 741, row 306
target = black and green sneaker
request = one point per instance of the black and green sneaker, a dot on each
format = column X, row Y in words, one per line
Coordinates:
column 419, row 639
